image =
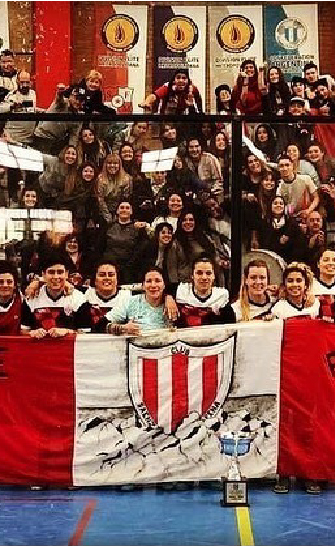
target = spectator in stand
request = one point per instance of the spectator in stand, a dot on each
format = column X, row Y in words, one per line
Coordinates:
column 127, row 244
column 178, row 96
column 127, row 155
column 324, row 165
column 142, row 312
column 302, row 166
column 114, row 184
column 266, row 194
column 23, row 99
column 246, row 95
column 265, row 141
column 90, row 148
column 8, row 74
column 90, row 89
column 10, row 300
column 166, row 254
column 78, row 266
column 324, row 281
column 219, row 147
column 206, row 135
column 200, row 302
column 51, row 136
column 206, row 167
column 281, row 234
column 255, row 172
column 298, row 87
column 172, row 212
column 224, row 105
column 297, row 298
column 322, row 104
column 103, row 294
column 193, row 241
column 277, row 95
column 182, row 178
column 219, row 231
column 159, row 187
column 311, row 74
column 254, row 302
column 315, row 238
column 58, row 180
column 138, row 135
column 299, row 191
column 168, row 135
column 52, row 312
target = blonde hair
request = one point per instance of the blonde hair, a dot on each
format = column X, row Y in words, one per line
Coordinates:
column 306, row 272
column 94, row 74
column 244, row 295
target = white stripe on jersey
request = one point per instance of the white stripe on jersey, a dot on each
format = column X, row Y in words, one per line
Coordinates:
column 122, row 297
column 320, row 289
column 218, row 298
column 70, row 303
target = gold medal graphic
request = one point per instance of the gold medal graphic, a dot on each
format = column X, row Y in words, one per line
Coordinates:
column 180, row 34
column 235, row 33
column 120, row 32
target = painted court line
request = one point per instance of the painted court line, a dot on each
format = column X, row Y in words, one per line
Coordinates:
column 82, row 523
column 244, row 526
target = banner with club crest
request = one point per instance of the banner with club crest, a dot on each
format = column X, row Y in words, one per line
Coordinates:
column 236, row 34
column 180, row 43
column 291, row 36
column 120, row 53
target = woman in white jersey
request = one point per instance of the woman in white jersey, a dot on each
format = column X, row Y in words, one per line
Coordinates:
column 297, row 298
column 254, row 301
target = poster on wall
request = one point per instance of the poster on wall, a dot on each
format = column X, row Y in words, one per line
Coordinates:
column 120, row 53
column 180, row 43
column 291, row 37
column 4, row 31
column 236, row 35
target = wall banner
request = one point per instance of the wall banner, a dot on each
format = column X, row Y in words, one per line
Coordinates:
column 236, row 35
column 291, row 36
column 4, row 30
column 120, row 53
column 180, row 42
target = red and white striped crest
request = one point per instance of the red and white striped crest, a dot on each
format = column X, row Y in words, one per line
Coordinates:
column 169, row 383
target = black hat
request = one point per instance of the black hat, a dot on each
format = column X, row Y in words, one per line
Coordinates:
column 322, row 81
column 297, row 79
column 222, row 87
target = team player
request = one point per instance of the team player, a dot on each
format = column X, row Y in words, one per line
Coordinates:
column 53, row 312
column 324, row 282
column 255, row 301
column 103, row 294
column 10, row 300
column 297, row 299
column 200, row 302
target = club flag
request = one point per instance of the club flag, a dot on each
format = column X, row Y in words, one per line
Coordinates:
column 94, row 409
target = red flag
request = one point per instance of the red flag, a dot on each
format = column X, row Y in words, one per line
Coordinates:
column 307, row 400
column 37, row 410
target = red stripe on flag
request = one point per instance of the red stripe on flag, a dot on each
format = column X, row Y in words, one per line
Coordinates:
column 37, row 411
column 209, row 381
column 179, row 389
column 150, row 386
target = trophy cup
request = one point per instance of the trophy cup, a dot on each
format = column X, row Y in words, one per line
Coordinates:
column 235, row 488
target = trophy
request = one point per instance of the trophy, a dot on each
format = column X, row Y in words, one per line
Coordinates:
column 235, row 488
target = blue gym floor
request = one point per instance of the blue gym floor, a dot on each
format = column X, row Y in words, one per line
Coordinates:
column 151, row 517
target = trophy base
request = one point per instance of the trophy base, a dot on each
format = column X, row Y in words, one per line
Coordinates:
column 235, row 493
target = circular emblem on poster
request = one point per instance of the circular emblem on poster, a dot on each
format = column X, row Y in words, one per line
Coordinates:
column 120, row 32
column 235, row 33
column 291, row 33
column 180, row 34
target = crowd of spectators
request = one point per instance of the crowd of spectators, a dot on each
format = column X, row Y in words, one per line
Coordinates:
column 166, row 219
